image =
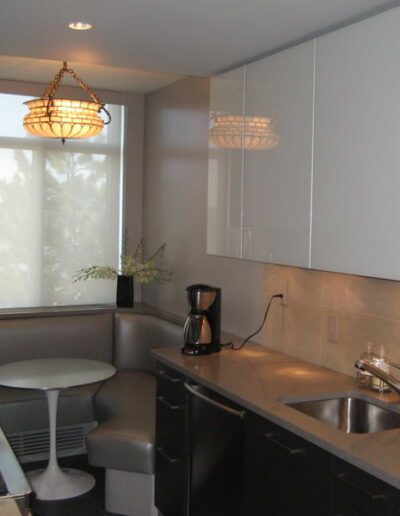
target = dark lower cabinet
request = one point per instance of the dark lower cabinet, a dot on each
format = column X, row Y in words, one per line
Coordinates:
column 216, row 437
column 199, row 450
column 284, row 474
column 209, row 461
column 170, row 483
column 355, row 493
column 171, row 444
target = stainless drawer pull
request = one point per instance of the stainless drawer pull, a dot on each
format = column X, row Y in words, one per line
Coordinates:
column 171, row 460
column 288, row 449
column 373, row 497
column 172, row 379
column 165, row 402
column 193, row 390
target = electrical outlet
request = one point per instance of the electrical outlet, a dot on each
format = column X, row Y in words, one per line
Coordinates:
column 284, row 292
column 333, row 328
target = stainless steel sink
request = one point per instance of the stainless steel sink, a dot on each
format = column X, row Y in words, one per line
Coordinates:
column 350, row 415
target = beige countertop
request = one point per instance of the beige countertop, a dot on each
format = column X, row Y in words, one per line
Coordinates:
column 262, row 380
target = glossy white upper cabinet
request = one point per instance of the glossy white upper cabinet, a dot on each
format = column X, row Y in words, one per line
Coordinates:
column 278, row 179
column 225, row 170
column 356, row 215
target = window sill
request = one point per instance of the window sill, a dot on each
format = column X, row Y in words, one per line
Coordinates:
column 55, row 311
column 52, row 311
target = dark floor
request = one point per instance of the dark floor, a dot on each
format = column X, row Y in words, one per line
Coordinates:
column 90, row 504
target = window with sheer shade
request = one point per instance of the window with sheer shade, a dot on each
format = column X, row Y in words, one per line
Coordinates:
column 60, row 210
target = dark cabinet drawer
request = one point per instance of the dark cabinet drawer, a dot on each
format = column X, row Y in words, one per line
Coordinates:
column 170, row 457
column 284, row 475
column 170, row 424
column 169, row 493
column 355, row 493
column 170, row 384
column 170, row 418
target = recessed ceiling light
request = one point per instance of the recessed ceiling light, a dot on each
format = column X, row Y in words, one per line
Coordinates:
column 78, row 25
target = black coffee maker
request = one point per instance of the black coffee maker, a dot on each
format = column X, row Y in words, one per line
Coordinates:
column 203, row 324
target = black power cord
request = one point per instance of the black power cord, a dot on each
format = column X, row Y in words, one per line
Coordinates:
column 245, row 341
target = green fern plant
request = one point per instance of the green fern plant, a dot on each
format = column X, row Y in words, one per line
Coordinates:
column 133, row 264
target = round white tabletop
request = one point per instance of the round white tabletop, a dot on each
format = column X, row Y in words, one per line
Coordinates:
column 54, row 373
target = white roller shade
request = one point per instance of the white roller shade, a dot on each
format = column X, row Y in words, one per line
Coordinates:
column 59, row 211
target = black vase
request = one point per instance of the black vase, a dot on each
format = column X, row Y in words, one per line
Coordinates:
column 125, row 293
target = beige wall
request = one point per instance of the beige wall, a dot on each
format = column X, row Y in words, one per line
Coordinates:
column 175, row 209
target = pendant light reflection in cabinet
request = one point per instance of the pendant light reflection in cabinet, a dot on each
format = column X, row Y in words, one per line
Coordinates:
column 235, row 131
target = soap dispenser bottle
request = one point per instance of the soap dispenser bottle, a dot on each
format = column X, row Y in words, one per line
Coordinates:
column 381, row 362
column 364, row 378
column 368, row 380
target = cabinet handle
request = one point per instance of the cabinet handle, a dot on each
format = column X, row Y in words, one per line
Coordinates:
column 172, row 379
column 171, row 460
column 165, row 402
column 372, row 497
column 193, row 390
column 288, row 449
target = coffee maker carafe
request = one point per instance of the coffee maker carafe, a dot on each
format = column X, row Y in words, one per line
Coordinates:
column 202, row 326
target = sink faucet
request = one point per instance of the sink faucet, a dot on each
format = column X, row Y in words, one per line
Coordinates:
column 365, row 365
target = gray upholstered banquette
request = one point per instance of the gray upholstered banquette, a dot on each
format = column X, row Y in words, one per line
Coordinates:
column 124, row 406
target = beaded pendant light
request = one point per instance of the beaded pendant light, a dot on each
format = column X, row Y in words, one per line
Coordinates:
column 51, row 117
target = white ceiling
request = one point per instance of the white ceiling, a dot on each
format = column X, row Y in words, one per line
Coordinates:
column 96, row 76
column 188, row 37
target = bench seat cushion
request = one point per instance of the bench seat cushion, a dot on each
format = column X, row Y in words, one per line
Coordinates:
column 23, row 410
column 136, row 334
column 69, row 336
column 125, row 407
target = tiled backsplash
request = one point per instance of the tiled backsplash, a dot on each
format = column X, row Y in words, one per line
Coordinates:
column 367, row 310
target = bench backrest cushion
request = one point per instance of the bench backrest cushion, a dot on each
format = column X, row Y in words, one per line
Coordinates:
column 136, row 334
column 81, row 336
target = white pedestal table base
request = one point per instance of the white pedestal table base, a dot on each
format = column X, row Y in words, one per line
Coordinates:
column 61, row 484
column 55, row 483
column 52, row 375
